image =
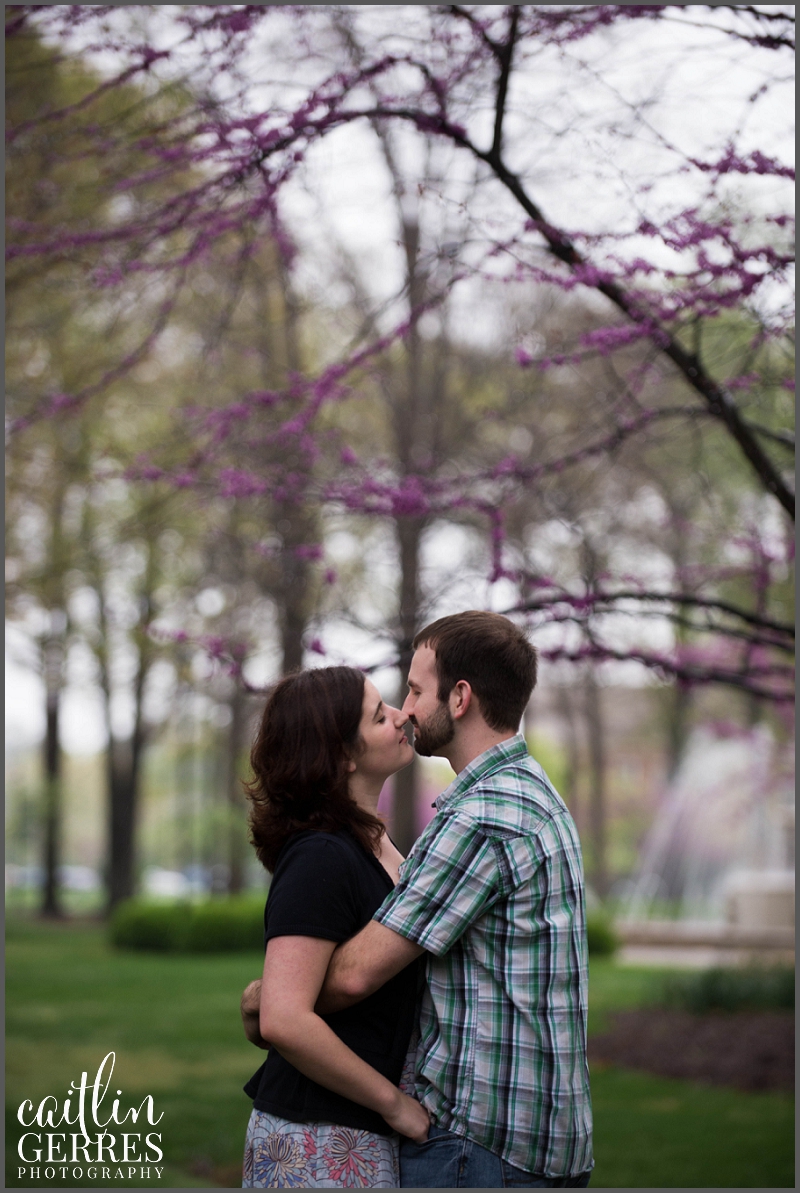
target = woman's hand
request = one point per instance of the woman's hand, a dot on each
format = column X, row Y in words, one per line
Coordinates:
column 250, row 1006
column 409, row 1118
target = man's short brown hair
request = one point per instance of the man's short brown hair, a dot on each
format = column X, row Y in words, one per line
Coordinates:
column 494, row 657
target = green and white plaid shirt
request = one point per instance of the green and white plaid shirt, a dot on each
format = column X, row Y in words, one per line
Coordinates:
column 493, row 890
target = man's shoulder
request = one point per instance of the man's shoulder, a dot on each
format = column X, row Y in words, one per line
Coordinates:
column 517, row 793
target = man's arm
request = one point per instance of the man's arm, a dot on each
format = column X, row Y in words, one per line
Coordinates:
column 357, row 968
column 362, row 965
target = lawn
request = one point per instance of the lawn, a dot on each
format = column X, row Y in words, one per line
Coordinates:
column 173, row 1023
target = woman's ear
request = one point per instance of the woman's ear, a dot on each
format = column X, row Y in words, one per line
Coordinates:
column 351, row 766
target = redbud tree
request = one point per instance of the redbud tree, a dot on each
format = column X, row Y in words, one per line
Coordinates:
column 630, row 158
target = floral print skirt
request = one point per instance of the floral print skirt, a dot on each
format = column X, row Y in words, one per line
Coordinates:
column 283, row 1155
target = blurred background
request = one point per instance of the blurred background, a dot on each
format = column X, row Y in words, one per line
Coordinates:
column 290, row 374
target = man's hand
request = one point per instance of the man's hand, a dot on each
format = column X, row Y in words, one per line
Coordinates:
column 250, row 1008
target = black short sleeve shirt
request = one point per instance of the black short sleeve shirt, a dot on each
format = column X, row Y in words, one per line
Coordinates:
column 327, row 885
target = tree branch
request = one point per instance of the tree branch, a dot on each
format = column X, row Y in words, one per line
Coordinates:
column 784, row 438
column 687, row 673
column 674, row 598
column 752, row 638
column 507, row 54
column 717, row 399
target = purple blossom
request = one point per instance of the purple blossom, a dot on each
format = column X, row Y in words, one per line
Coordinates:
column 756, row 163
column 607, row 339
column 236, row 482
column 746, row 381
column 309, row 551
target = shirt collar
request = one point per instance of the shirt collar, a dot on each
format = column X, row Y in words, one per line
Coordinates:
column 481, row 767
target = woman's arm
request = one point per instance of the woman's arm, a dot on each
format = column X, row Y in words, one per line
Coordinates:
column 294, row 970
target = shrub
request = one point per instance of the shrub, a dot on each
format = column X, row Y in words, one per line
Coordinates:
column 756, row 988
column 225, row 925
column 601, row 938
column 211, row 926
column 160, row 927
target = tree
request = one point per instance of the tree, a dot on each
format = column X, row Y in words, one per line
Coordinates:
column 666, row 245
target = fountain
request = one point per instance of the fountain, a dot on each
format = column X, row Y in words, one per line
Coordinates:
column 716, row 878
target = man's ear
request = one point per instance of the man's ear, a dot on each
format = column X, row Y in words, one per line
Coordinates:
column 460, row 699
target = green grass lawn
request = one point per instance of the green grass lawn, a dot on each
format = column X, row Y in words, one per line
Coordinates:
column 173, row 1023
column 653, row 1132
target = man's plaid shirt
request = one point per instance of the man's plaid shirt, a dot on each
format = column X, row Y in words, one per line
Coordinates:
column 493, row 889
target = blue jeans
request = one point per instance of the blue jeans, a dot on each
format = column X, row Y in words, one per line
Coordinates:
column 446, row 1161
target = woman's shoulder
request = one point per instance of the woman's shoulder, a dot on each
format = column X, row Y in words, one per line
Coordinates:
column 318, row 846
column 314, row 866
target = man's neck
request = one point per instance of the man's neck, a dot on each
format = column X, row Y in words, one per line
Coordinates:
column 465, row 748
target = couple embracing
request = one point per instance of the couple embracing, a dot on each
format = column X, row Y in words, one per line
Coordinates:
column 425, row 1018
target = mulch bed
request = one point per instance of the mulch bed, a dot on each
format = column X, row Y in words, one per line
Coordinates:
column 752, row 1050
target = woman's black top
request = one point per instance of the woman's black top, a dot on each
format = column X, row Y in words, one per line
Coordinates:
column 327, row 885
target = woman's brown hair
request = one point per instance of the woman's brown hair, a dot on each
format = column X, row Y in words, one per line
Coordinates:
column 307, row 736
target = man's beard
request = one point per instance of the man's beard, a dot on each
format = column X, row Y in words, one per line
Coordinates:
column 438, row 731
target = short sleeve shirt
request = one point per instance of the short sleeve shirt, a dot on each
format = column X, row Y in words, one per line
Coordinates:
column 327, row 886
column 494, row 891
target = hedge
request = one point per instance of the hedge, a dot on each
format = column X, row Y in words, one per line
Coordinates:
column 236, row 923
column 755, row 988
column 601, row 939
column 221, row 925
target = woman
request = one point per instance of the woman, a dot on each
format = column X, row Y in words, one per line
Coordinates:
column 327, row 1109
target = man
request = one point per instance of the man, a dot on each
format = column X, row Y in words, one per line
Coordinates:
column 493, row 892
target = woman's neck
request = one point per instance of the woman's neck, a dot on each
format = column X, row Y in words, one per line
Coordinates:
column 366, row 793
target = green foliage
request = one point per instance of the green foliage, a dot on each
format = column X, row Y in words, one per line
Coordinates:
column 601, row 938
column 614, row 987
column 213, row 926
column 551, row 758
column 756, row 989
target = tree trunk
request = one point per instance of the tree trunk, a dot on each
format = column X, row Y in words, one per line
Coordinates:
column 53, row 790
column 124, row 781
column 122, row 822
column 236, row 837
column 409, row 533
column 294, row 591
column 597, row 778
column 565, row 698
column 678, row 724
column 295, row 523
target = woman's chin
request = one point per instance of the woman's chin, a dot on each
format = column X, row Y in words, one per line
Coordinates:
column 407, row 755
